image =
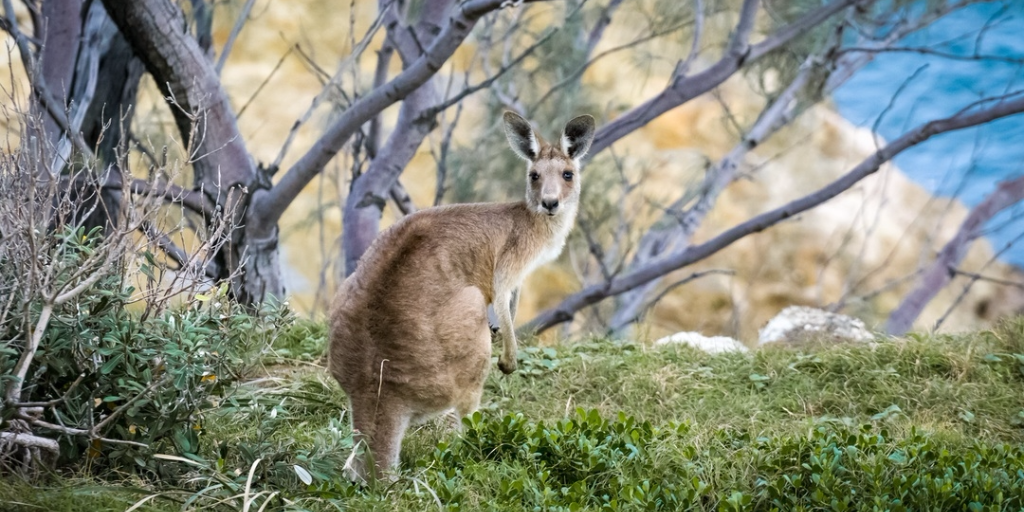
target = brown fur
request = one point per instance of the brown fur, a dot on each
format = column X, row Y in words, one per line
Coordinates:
column 409, row 331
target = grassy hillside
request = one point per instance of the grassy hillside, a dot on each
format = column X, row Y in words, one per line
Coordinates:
column 904, row 424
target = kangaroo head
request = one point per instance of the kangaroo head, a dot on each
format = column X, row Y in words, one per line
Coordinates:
column 552, row 171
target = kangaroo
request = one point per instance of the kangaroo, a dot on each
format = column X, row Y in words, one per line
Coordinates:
column 409, row 335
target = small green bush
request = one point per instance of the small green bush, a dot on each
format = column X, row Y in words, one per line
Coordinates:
column 588, row 462
column 580, row 462
column 145, row 379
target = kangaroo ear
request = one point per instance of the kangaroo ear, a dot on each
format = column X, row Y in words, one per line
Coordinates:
column 577, row 136
column 521, row 137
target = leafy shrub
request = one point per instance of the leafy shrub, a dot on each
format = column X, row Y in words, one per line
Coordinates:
column 588, row 462
column 578, row 462
column 146, row 381
column 299, row 340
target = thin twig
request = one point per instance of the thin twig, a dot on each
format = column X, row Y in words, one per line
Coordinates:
column 683, row 67
column 989, row 279
column 180, row 256
column 668, row 289
column 433, row 111
column 191, row 199
column 932, row 52
column 55, row 401
column 243, row 17
column 81, row 432
column 96, row 429
column 973, row 279
column 575, row 75
column 264, row 82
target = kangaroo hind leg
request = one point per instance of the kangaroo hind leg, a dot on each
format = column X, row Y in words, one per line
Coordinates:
column 379, row 425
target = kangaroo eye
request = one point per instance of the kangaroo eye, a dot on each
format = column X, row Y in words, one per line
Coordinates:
column 534, row 176
column 567, row 175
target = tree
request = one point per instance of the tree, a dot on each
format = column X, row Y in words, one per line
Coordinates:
column 815, row 45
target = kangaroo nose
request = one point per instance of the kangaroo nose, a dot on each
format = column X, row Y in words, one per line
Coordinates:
column 549, row 204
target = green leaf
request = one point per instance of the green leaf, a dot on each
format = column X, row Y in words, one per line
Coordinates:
column 898, row 457
column 111, row 364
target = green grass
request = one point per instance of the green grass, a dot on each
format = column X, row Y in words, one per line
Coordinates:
column 924, row 422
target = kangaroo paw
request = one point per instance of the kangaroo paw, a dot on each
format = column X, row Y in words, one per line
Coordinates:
column 507, row 367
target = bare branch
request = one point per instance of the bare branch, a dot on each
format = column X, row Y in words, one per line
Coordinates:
column 668, row 289
column 402, row 199
column 942, row 270
column 273, row 204
column 603, row 21
column 433, row 111
column 81, row 432
column 595, row 249
column 442, row 155
column 191, row 199
column 972, row 115
column 380, row 75
column 739, row 54
column 330, row 85
column 263, row 84
column 98, row 273
column 994, row 280
column 182, row 258
column 28, row 354
column 848, row 63
column 739, row 44
column 698, row 31
column 29, row 440
column 10, row 26
column 971, row 282
column 55, row 401
column 682, row 225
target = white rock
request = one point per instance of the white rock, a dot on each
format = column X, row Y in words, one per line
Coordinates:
column 712, row 345
column 796, row 322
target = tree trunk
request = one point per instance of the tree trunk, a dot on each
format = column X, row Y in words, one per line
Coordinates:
column 91, row 72
column 223, row 168
column 60, row 34
column 365, row 203
column 106, row 84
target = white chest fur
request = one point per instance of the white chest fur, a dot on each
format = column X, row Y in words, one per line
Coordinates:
column 560, row 226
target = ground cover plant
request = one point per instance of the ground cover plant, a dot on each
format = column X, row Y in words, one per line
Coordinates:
column 925, row 422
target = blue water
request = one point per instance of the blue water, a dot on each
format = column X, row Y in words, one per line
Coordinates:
column 968, row 163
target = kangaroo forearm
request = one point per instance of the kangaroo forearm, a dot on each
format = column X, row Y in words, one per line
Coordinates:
column 509, row 345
